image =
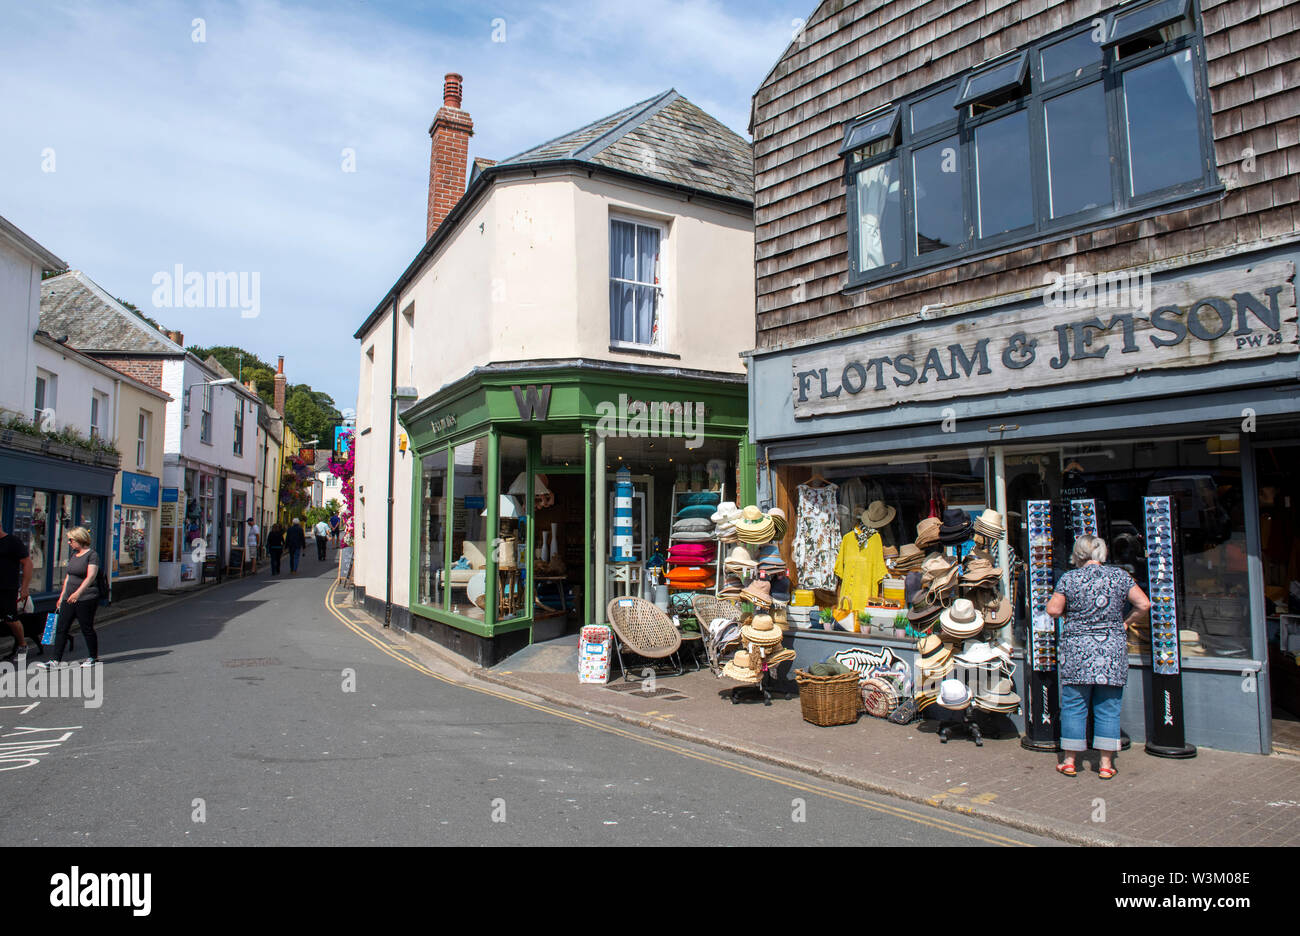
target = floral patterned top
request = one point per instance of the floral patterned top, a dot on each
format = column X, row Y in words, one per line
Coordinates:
column 817, row 536
column 1093, row 649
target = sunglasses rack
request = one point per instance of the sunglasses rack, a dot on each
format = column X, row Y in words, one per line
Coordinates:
column 1167, row 737
column 1041, row 702
column 1083, row 517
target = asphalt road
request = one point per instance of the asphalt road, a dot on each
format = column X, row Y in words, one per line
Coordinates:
column 251, row 715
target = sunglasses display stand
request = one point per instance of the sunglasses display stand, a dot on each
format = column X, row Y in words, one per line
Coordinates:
column 1042, row 702
column 1166, row 737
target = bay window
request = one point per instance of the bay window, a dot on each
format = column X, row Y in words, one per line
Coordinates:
column 1101, row 120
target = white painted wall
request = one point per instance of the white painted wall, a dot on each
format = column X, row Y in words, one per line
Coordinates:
column 77, row 381
column 20, row 312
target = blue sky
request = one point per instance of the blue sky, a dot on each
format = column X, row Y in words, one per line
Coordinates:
column 227, row 155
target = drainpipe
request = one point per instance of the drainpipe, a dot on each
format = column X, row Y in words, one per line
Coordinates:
column 602, row 550
column 392, row 446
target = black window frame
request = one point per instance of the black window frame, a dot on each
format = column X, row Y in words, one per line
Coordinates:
column 1037, row 95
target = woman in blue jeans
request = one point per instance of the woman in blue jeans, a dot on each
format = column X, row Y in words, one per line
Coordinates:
column 1092, row 653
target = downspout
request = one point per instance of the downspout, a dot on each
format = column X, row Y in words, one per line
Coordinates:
column 392, row 445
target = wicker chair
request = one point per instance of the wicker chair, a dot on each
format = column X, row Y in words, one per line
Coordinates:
column 643, row 630
column 708, row 609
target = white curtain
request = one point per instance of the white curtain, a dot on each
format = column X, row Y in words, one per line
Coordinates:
column 874, row 188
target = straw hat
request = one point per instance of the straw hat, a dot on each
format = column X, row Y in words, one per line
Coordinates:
column 954, row 694
column 758, row 592
column 927, row 532
column 779, row 522
column 753, row 527
column 1000, row 697
column 739, row 557
column 761, row 630
column 989, row 524
column 877, row 515
column 726, row 511
column 979, row 572
column 961, row 620
column 785, row 653
column 741, row 673
column 909, row 558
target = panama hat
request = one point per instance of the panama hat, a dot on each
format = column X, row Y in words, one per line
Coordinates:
column 753, row 527
column 961, row 620
column 877, row 515
column 726, row 510
column 954, row 694
column 922, row 613
column 999, row 697
column 989, row 524
column 758, row 592
column 739, row 557
column 927, row 532
column 761, row 630
column 741, row 668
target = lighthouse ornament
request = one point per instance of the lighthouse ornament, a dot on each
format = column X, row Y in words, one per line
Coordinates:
column 623, row 516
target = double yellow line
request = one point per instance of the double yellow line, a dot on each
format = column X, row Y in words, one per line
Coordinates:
column 898, row 812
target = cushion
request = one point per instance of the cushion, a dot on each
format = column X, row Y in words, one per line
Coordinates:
column 709, row 498
column 700, row 552
column 700, row 511
column 693, row 525
column 693, row 537
column 682, row 574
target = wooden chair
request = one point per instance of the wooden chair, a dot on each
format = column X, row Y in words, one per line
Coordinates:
column 643, row 630
column 707, row 610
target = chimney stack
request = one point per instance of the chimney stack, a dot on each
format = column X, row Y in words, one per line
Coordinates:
column 279, row 386
column 451, row 130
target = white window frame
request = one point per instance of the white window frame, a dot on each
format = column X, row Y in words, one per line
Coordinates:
column 98, row 406
column 238, row 447
column 45, row 395
column 205, row 418
column 142, row 439
column 661, row 286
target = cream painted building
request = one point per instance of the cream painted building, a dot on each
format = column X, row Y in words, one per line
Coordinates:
column 618, row 255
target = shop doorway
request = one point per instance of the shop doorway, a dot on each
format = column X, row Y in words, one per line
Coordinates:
column 559, row 565
column 1279, row 526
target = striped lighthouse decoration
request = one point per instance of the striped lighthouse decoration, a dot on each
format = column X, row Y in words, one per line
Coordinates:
column 623, row 516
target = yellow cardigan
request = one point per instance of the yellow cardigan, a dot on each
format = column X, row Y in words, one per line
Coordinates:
column 860, row 568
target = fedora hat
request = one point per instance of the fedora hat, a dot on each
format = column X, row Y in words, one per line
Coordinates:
column 909, row 556
column 989, row 523
column 761, row 630
column 956, row 526
column 927, row 532
column 961, row 620
column 954, row 694
column 877, row 515
column 924, row 610
column 912, row 587
column 999, row 614
column 758, row 592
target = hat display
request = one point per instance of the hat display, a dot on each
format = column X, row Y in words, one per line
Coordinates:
column 761, row 630
column 779, row 522
column 725, row 512
column 954, row 694
column 956, row 526
column 1001, row 696
column 989, row 524
column 739, row 558
column 980, row 572
column 758, row 592
column 910, row 557
column 754, row 527
column 923, row 612
column 927, row 533
column 741, row 674
column 961, row 620
column 877, row 515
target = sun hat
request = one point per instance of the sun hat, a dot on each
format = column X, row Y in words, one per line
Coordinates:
column 998, row 614
column 956, row 526
column 989, row 524
column 912, row 587
column 761, row 630
column 923, row 612
column 731, row 587
column 743, row 674
column 759, row 592
column 753, row 527
column 724, row 512
column 877, row 515
column 961, row 620
column 954, row 694
column 930, row 648
column 739, row 557
column 979, row 571
column 779, row 522
column 978, row 653
column 927, row 533
column 909, row 557
column 1000, row 696
column 780, row 589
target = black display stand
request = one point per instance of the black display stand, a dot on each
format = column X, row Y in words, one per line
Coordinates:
column 1042, row 706
column 1166, row 737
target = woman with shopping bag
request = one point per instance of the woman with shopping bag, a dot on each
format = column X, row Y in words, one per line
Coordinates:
column 78, row 600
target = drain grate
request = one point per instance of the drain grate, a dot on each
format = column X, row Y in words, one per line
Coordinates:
column 254, row 661
column 668, row 695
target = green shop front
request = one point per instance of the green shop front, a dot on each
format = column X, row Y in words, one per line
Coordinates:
column 513, row 487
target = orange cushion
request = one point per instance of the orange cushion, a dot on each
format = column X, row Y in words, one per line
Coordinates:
column 682, row 574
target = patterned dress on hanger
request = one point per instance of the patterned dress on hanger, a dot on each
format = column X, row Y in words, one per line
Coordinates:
column 817, row 536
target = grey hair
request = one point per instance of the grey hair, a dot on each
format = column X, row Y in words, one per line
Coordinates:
column 1087, row 548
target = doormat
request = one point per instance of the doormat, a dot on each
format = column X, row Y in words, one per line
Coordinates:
column 634, row 688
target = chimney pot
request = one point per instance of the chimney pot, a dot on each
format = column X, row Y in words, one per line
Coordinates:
column 279, row 369
column 451, row 87
column 449, row 156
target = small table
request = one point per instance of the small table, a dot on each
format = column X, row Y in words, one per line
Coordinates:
column 627, row 577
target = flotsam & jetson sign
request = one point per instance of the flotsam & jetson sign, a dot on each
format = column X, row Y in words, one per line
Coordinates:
column 1243, row 314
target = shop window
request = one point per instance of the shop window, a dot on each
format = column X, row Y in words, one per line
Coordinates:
column 563, row 450
column 133, row 543
column 63, row 521
column 1078, row 157
column 1037, row 144
column 467, row 578
column 514, row 513
column 142, row 440
column 635, row 289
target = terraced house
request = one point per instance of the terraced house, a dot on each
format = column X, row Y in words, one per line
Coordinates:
column 1028, row 253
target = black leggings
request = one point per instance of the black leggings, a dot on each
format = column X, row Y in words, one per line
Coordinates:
column 84, row 613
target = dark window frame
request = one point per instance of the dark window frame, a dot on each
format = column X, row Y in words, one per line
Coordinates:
column 1037, row 95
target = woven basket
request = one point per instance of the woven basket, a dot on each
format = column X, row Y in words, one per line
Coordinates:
column 879, row 697
column 829, row 700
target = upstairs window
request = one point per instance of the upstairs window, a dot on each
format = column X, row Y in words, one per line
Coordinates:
column 239, row 426
column 205, row 420
column 142, row 440
column 98, row 409
column 47, row 387
column 1094, row 122
column 635, row 288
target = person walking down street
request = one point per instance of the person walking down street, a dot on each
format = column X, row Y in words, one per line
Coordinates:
column 1093, row 651
column 79, row 598
column 322, row 532
column 254, row 537
column 295, row 540
column 275, row 546
column 15, row 577
column 336, row 526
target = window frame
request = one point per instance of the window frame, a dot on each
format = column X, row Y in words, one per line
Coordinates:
column 238, row 445
column 205, row 415
column 1037, row 96
column 142, row 439
column 46, row 387
column 661, row 291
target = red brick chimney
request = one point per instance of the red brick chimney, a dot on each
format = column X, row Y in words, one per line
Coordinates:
column 279, row 387
column 451, row 130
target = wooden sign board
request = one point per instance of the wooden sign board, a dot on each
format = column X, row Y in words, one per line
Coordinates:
column 1115, row 328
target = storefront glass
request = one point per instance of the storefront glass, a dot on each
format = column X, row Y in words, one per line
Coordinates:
column 433, row 528
column 469, row 530
column 133, row 547
column 63, row 524
column 38, row 544
column 238, row 517
column 513, row 513
column 563, row 450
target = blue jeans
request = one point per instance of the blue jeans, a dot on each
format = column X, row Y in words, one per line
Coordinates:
column 294, row 553
column 1105, row 703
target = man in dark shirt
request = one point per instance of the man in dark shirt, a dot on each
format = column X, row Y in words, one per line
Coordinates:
column 15, row 576
column 295, row 540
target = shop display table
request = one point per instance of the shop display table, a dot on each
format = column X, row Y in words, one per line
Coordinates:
column 625, row 579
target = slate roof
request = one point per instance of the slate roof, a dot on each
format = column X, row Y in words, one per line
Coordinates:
column 665, row 137
column 73, row 304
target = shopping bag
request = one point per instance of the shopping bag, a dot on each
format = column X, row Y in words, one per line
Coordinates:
column 51, row 625
column 844, row 616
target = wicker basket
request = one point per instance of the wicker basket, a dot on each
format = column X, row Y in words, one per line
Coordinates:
column 879, row 697
column 829, row 700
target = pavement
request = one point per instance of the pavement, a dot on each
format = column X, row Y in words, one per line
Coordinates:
column 1217, row 798
column 259, row 712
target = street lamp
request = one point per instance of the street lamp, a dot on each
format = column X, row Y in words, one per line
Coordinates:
column 220, row 382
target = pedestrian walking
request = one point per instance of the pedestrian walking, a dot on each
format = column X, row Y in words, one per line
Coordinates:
column 295, row 540
column 15, row 577
column 254, row 536
column 79, row 598
column 1092, row 653
column 322, row 532
column 336, row 527
column 275, row 546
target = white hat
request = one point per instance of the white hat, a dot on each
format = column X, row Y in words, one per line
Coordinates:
column 954, row 694
column 726, row 511
column 962, row 620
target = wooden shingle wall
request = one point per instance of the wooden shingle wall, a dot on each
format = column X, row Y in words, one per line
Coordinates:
column 855, row 56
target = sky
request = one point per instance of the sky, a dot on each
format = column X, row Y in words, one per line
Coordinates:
column 290, row 140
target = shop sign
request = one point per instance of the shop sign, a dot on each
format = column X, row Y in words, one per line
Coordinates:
column 139, row 490
column 534, row 404
column 1239, row 315
column 171, row 495
column 444, row 424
